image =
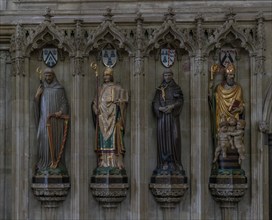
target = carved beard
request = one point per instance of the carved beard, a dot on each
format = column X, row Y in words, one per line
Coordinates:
column 230, row 82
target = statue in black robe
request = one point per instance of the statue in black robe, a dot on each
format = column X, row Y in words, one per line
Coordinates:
column 167, row 105
column 50, row 99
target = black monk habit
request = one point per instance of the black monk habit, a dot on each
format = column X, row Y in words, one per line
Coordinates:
column 168, row 127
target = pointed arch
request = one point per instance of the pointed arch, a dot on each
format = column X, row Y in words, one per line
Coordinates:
column 168, row 33
column 109, row 33
column 47, row 33
column 220, row 37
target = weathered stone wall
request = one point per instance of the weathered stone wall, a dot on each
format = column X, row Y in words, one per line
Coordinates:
column 137, row 39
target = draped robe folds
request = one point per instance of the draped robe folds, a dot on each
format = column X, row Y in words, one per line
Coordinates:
column 224, row 99
column 168, row 126
column 52, row 100
column 111, row 125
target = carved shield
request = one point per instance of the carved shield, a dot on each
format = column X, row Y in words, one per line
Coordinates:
column 227, row 56
column 167, row 57
column 109, row 57
column 50, row 56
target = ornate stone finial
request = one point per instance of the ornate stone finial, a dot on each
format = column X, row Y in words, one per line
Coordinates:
column 230, row 15
column 170, row 15
column 199, row 17
column 18, row 29
column 108, row 15
column 260, row 16
column 47, row 15
column 139, row 16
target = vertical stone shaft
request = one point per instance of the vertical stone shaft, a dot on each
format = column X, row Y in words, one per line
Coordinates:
column 198, row 103
column 137, row 138
column 79, row 131
column 270, row 174
column 257, row 157
column 20, row 128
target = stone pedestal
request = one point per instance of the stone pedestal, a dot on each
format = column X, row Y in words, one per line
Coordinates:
column 228, row 184
column 168, row 189
column 109, row 191
column 50, row 190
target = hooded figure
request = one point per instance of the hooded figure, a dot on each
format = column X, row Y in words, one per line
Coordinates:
column 50, row 99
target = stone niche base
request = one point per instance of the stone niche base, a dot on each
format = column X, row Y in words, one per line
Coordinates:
column 228, row 188
column 228, row 182
column 50, row 190
column 168, row 189
column 109, row 190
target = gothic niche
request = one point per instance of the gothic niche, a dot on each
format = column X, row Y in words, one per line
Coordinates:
column 108, row 51
column 169, row 49
column 51, row 181
column 229, row 68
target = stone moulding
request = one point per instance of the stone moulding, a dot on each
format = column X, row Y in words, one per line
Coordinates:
column 228, row 192
column 50, row 194
column 168, row 195
column 109, row 195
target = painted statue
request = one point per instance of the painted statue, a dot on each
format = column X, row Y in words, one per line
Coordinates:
column 227, row 107
column 51, row 109
column 109, row 110
column 230, row 135
column 229, row 97
column 167, row 105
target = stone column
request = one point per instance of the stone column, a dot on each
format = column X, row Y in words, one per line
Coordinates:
column 270, row 174
column 20, row 127
column 197, row 153
column 256, row 99
column 80, row 108
column 199, row 113
column 137, row 125
column 3, row 125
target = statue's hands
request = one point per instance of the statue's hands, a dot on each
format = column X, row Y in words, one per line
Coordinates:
column 39, row 92
column 167, row 109
column 58, row 114
column 162, row 109
column 239, row 109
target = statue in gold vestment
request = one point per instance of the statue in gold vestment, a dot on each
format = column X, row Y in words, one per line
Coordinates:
column 227, row 102
column 109, row 108
column 228, row 97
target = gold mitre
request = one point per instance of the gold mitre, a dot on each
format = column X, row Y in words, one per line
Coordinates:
column 109, row 71
column 230, row 68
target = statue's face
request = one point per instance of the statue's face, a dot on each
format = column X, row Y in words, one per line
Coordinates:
column 240, row 125
column 230, row 79
column 167, row 77
column 232, row 121
column 107, row 76
column 49, row 77
column 224, row 128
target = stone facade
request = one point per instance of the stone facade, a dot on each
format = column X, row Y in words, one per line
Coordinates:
column 197, row 30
